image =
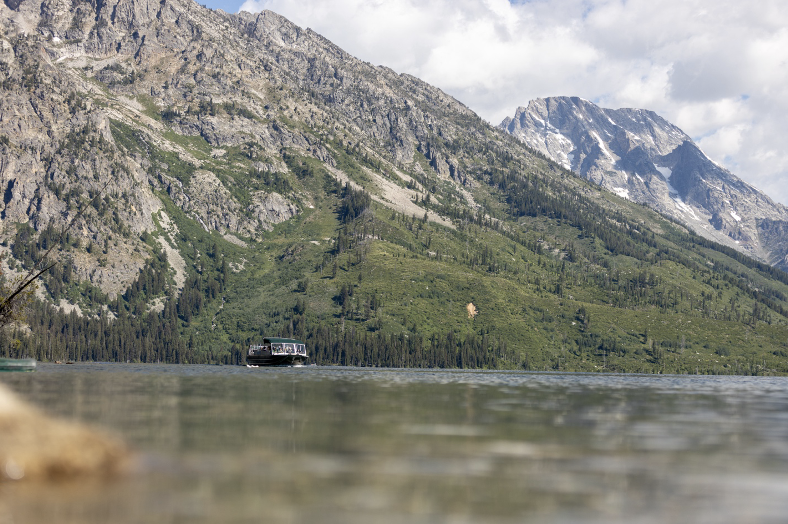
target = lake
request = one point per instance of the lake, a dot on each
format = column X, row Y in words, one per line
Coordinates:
column 313, row 444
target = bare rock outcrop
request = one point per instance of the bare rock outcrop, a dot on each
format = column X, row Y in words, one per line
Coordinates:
column 271, row 208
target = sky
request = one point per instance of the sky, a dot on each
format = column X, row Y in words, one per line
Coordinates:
column 718, row 69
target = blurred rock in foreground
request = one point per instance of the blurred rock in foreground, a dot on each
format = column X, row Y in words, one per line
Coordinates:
column 34, row 446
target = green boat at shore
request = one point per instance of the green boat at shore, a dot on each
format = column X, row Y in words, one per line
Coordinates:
column 17, row 364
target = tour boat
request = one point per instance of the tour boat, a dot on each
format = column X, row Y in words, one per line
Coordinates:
column 277, row 352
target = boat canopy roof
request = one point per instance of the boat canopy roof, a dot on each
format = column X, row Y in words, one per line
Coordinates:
column 281, row 341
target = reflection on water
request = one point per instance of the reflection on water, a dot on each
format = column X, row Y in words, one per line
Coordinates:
column 231, row 444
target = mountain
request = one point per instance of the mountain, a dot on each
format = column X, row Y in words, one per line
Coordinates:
column 240, row 176
column 640, row 156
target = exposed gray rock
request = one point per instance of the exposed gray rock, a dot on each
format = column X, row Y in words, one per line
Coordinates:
column 638, row 155
column 211, row 204
column 271, row 208
column 166, row 99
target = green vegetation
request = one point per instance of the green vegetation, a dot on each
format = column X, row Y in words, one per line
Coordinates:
column 502, row 260
column 550, row 288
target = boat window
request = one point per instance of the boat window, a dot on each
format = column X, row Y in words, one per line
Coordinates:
column 289, row 348
column 276, row 347
column 255, row 350
column 301, row 348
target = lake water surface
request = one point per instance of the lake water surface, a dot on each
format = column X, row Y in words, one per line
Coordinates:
column 231, row 444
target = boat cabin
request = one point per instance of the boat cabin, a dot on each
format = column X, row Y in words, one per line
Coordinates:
column 278, row 346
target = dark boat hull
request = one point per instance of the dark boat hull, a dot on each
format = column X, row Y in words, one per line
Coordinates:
column 276, row 360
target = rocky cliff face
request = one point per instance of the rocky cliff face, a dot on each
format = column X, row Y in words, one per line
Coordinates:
column 642, row 157
column 154, row 101
column 168, row 108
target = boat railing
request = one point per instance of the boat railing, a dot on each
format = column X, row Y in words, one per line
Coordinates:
column 278, row 349
column 256, row 349
column 289, row 349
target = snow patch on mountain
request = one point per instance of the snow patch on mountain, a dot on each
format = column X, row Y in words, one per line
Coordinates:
column 602, row 145
column 622, row 192
column 665, row 171
column 683, row 207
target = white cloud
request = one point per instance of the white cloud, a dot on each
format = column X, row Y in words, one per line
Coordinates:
column 717, row 69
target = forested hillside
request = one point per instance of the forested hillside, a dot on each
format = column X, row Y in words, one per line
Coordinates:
column 262, row 182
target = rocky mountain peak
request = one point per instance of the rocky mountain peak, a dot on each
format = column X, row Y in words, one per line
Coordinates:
column 640, row 156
